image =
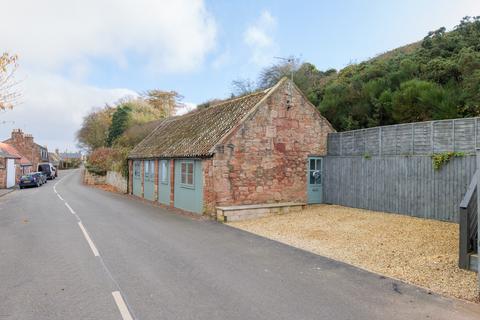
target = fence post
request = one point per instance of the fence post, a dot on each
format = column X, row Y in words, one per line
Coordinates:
column 478, row 217
column 380, row 140
column 413, row 139
column 453, row 135
column 463, row 260
column 432, row 141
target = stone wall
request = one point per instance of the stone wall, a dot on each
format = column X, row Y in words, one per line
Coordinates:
column 117, row 180
column 265, row 159
column 91, row 178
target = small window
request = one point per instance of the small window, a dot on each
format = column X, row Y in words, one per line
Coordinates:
column 136, row 169
column 148, row 169
column 187, row 173
column 164, row 171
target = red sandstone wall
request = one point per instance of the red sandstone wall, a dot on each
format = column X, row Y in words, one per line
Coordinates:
column 25, row 145
column 265, row 159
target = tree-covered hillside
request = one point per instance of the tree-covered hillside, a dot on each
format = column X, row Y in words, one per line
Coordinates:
column 436, row 78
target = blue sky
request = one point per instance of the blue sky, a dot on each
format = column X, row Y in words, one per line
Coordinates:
column 330, row 34
column 82, row 54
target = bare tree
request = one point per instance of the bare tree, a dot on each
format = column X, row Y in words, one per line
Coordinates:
column 9, row 93
column 241, row 87
column 269, row 76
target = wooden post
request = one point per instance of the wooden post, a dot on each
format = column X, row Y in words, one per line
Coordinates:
column 453, row 135
column 432, row 141
column 478, row 216
column 464, row 221
column 155, row 180
column 413, row 139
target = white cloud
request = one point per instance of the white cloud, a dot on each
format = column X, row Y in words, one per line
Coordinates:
column 186, row 107
column 259, row 37
column 53, row 107
column 170, row 36
column 59, row 42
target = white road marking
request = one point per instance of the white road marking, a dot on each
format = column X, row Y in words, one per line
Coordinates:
column 121, row 306
column 90, row 242
column 69, row 208
column 117, row 296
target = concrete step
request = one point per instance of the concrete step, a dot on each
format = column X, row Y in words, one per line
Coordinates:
column 474, row 262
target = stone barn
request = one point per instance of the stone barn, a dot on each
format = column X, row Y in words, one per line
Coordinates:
column 251, row 155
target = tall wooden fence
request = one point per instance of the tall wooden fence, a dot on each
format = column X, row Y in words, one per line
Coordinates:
column 400, row 184
column 420, row 138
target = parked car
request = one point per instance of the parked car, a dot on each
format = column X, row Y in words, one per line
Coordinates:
column 42, row 176
column 48, row 169
column 30, row 180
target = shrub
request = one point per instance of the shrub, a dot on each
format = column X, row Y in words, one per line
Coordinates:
column 101, row 160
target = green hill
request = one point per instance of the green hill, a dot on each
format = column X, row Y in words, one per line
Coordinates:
column 436, row 78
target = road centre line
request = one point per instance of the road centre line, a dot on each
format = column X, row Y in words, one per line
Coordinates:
column 121, row 303
column 69, row 208
column 122, row 307
column 90, row 242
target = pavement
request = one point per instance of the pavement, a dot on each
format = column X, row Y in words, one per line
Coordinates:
column 6, row 191
column 68, row 251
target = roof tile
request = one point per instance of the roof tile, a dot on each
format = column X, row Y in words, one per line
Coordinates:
column 196, row 133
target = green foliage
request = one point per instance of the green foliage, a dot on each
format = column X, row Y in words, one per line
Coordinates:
column 441, row 159
column 120, row 119
column 416, row 100
column 438, row 78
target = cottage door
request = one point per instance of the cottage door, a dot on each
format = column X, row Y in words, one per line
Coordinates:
column 10, row 173
column 314, row 179
column 137, row 178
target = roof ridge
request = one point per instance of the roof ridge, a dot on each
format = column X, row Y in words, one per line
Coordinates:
column 224, row 102
column 242, row 97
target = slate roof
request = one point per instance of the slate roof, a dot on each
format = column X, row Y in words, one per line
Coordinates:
column 70, row 155
column 195, row 134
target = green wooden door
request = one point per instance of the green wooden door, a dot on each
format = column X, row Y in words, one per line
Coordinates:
column 149, row 179
column 314, row 179
column 164, row 181
column 188, row 185
column 137, row 178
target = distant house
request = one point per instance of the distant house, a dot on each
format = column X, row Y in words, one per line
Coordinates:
column 70, row 159
column 25, row 145
column 12, row 166
column 261, row 148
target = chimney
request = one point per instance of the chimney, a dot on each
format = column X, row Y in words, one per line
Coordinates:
column 29, row 139
column 17, row 134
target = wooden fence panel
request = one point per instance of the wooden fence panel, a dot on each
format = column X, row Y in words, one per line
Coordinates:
column 400, row 184
column 420, row 138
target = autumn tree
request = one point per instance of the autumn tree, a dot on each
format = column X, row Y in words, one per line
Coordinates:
column 8, row 86
column 93, row 133
column 166, row 102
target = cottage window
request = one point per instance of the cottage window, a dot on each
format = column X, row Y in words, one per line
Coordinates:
column 149, row 174
column 187, row 173
column 164, row 171
column 136, row 169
